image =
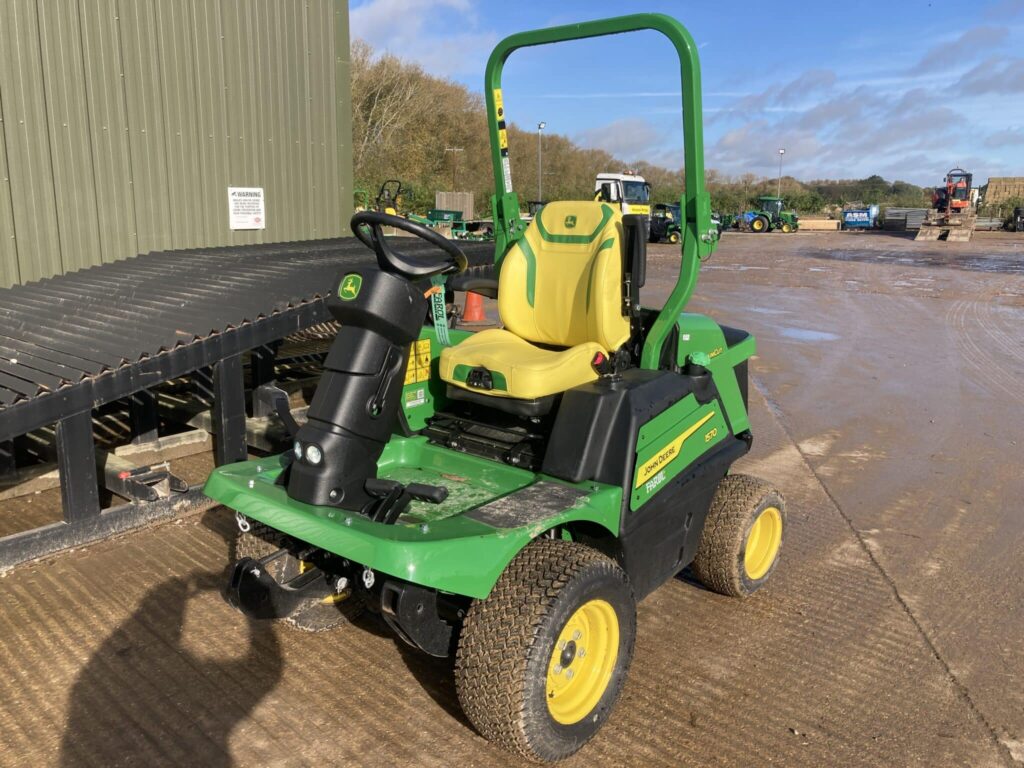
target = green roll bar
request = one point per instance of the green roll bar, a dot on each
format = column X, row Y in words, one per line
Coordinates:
column 699, row 237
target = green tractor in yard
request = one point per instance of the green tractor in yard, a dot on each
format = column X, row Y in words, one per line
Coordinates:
column 507, row 496
column 768, row 216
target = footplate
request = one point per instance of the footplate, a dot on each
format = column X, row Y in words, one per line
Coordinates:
column 253, row 591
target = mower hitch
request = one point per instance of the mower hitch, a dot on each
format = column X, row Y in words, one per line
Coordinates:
column 253, row 591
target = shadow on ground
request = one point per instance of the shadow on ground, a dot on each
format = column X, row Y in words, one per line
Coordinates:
column 149, row 696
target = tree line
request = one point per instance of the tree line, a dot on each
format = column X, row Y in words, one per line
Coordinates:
column 431, row 133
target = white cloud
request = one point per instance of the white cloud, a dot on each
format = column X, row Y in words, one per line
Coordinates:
column 422, row 31
column 950, row 53
column 629, row 139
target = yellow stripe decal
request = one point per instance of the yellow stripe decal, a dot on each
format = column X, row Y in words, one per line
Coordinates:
column 669, row 453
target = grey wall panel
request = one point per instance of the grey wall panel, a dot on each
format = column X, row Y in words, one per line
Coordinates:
column 70, row 141
column 108, row 128
column 8, row 243
column 27, row 141
column 140, row 52
column 132, row 118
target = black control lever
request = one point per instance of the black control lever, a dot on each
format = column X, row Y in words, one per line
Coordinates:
column 391, row 498
column 278, row 400
column 392, row 367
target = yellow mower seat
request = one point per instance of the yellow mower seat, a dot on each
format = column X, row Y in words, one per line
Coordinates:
column 560, row 300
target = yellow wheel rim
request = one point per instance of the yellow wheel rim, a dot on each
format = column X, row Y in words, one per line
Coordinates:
column 582, row 662
column 763, row 543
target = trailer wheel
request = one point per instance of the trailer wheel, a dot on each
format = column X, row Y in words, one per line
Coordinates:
column 743, row 533
column 314, row 615
column 541, row 661
column 759, row 224
column 673, row 237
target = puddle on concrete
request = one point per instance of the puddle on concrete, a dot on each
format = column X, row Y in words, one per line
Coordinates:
column 805, row 334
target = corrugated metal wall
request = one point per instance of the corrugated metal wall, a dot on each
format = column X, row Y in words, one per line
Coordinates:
column 123, row 123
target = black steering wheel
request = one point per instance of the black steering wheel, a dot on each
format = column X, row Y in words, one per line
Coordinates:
column 366, row 226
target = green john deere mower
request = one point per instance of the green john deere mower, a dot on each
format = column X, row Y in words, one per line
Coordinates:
column 506, row 497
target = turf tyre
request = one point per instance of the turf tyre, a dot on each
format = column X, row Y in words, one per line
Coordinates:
column 720, row 561
column 507, row 642
column 313, row 615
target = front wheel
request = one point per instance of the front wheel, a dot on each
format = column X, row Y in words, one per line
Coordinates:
column 673, row 237
column 787, row 227
column 541, row 661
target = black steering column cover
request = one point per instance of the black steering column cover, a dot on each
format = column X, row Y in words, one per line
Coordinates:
column 355, row 407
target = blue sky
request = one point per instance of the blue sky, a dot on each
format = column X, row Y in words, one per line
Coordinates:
column 906, row 89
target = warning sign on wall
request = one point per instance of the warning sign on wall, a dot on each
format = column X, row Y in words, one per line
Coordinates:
column 246, row 208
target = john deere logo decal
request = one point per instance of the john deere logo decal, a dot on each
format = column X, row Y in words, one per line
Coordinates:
column 570, row 222
column 350, row 286
column 669, row 453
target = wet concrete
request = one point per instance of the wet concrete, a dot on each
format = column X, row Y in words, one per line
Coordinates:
column 886, row 404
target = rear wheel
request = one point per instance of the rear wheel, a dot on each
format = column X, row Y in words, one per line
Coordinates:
column 542, row 660
column 759, row 224
column 742, row 538
column 314, row 614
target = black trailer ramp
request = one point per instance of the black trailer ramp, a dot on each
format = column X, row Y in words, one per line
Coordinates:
column 73, row 343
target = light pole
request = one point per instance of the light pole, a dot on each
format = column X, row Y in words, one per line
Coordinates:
column 540, row 187
column 455, row 159
column 778, row 191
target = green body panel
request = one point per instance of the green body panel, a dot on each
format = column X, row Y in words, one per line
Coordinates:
column 671, row 441
column 698, row 333
column 699, row 237
column 434, row 546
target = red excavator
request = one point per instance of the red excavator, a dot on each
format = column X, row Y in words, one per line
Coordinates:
column 952, row 214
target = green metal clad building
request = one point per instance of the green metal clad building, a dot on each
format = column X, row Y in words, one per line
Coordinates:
column 123, row 124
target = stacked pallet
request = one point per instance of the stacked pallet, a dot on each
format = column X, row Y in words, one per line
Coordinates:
column 900, row 219
column 819, row 225
column 1002, row 188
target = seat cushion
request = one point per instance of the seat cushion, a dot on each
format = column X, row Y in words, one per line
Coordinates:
column 518, row 368
column 561, row 282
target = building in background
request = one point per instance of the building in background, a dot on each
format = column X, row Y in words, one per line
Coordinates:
column 123, row 124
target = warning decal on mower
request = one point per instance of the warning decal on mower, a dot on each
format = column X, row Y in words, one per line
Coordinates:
column 418, row 369
column 499, row 113
column 669, row 453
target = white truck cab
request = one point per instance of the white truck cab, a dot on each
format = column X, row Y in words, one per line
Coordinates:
column 629, row 190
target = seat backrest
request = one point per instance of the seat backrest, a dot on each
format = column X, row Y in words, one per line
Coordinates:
column 561, row 283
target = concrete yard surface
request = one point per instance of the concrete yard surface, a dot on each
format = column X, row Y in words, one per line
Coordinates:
column 886, row 403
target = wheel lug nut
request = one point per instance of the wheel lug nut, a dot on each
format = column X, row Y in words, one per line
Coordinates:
column 558, row 669
column 568, row 674
column 582, row 653
column 561, row 645
column 577, row 635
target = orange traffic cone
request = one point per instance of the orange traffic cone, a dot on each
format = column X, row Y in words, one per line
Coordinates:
column 473, row 312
